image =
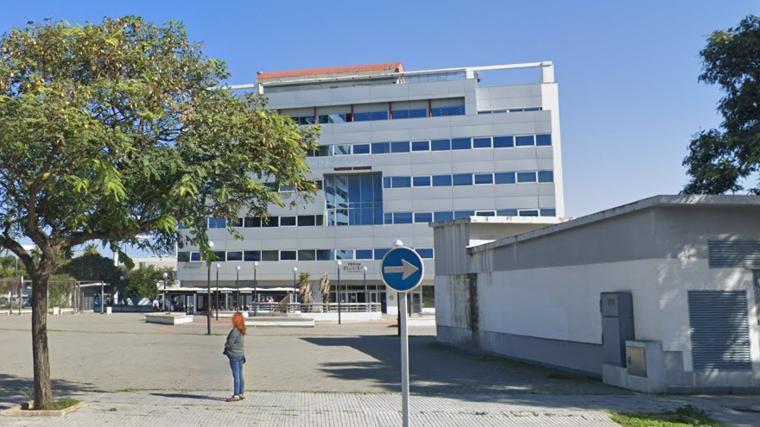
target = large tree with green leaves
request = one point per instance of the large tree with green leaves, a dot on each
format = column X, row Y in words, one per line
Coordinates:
column 113, row 130
column 726, row 159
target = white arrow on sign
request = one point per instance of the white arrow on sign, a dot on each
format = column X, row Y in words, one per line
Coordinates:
column 406, row 269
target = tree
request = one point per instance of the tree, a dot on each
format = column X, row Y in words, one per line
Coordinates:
column 721, row 160
column 92, row 266
column 143, row 282
column 113, row 130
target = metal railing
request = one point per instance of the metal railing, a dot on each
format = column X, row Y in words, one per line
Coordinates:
column 346, row 307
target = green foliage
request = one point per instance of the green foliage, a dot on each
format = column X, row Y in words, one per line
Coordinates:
column 684, row 416
column 143, row 282
column 122, row 128
column 92, row 267
column 720, row 160
column 10, row 267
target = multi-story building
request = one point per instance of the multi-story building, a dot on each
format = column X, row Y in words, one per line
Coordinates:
column 398, row 150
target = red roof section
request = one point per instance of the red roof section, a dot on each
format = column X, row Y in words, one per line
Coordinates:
column 326, row 71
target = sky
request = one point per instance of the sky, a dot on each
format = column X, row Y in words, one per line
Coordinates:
column 628, row 72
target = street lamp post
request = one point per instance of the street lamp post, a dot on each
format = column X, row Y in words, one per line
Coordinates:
column 366, row 294
column 166, row 276
column 294, row 300
column 237, row 288
column 122, row 282
column 216, row 296
column 338, row 290
column 208, row 288
column 255, row 288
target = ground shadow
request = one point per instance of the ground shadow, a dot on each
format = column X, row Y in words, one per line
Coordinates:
column 14, row 390
column 187, row 396
column 436, row 369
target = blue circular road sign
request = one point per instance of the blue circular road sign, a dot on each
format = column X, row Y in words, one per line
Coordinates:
column 402, row 269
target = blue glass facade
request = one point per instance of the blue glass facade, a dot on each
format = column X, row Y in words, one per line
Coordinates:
column 354, row 199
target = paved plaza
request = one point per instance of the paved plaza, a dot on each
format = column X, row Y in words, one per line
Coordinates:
column 132, row 373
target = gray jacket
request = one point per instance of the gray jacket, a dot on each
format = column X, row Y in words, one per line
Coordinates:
column 235, row 344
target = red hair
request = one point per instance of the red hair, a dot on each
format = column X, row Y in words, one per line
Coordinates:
column 239, row 322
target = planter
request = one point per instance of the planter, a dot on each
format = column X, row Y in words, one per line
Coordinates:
column 24, row 410
column 168, row 318
column 109, row 310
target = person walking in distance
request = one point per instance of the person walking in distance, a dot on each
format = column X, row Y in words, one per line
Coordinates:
column 234, row 349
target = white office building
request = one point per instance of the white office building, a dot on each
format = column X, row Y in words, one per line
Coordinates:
column 398, row 149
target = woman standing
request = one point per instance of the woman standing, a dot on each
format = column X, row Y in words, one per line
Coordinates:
column 234, row 349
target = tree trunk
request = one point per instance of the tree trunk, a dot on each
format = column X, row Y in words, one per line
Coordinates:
column 43, row 392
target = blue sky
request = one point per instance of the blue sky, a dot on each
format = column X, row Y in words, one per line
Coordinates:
column 627, row 71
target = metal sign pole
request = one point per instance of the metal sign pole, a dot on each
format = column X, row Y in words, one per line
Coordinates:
column 404, row 359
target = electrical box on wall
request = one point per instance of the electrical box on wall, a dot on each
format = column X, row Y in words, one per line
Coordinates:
column 617, row 325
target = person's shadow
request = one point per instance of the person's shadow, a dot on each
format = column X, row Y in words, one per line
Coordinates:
column 187, row 396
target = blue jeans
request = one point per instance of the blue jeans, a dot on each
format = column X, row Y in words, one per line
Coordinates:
column 238, row 383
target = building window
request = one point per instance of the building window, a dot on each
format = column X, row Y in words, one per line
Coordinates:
column 217, row 222
column 545, row 176
column 337, row 114
column 526, row 177
column 462, row 179
column 287, row 255
column 237, row 222
column 381, row 147
column 447, row 107
column 463, row 214
column 387, row 182
column 544, row 139
column 528, row 212
column 504, row 177
column 380, row 253
column 485, row 213
column 420, row 145
column 354, row 199
column 426, row 253
column 400, row 147
column 441, row 180
column 306, row 221
column 319, row 220
column 341, row 150
column 443, row 216
column 234, row 256
column 401, row 182
column 251, row 256
column 461, row 144
column 287, row 221
column 524, row 141
column 324, row 255
column 364, row 254
column 503, row 142
column 361, row 149
column 195, row 256
column 507, row 212
column 548, row 212
column 423, row 217
column 219, row 256
column 481, row 142
column 252, row 221
column 369, row 112
column 307, row 255
column 271, row 221
column 183, row 256
column 269, row 256
column 483, row 178
column 402, row 218
column 344, row 254
column 421, row 181
column 440, row 144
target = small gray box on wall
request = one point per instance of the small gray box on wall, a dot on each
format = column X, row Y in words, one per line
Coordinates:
column 637, row 360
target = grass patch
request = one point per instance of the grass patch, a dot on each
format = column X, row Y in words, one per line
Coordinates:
column 65, row 403
column 684, row 416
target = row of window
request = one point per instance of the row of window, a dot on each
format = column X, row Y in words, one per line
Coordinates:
column 272, row 221
column 502, row 141
column 426, row 217
column 377, row 111
column 468, row 179
column 297, row 255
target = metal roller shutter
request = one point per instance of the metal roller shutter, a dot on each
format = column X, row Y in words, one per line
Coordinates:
column 719, row 330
